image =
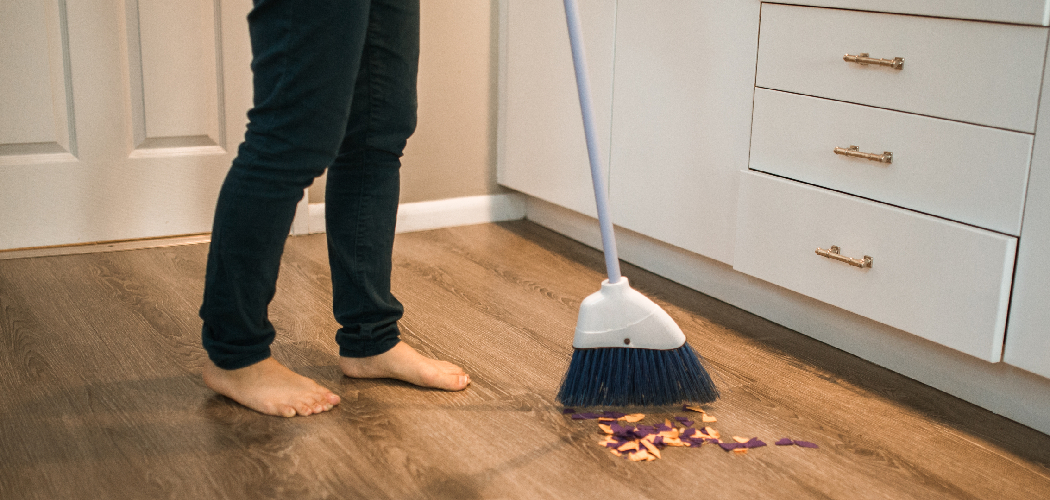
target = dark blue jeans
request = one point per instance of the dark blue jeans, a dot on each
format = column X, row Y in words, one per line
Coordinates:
column 335, row 88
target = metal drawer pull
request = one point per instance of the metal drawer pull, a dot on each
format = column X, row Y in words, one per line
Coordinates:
column 895, row 63
column 833, row 253
column 854, row 151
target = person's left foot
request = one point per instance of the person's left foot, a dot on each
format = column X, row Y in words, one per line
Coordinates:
column 402, row 362
column 271, row 388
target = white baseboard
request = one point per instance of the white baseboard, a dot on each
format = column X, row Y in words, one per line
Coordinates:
column 1008, row 391
column 426, row 215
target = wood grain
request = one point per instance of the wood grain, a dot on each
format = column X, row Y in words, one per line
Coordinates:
column 100, row 377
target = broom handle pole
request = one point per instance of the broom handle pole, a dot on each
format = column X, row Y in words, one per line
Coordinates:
column 612, row 261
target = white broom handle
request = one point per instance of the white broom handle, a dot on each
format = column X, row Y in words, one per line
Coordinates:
column 612, row 261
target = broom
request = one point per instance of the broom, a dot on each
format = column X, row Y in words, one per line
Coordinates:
column 627, row 350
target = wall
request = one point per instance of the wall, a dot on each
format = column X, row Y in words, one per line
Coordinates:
column 453, row 152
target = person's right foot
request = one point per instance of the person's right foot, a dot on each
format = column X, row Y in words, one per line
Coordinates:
column 402, row 362
column 271, row 388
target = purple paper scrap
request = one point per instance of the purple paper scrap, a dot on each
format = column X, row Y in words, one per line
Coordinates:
column 784, row 442
column 806, row 444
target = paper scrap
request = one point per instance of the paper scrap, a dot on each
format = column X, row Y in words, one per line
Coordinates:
column 652, row 448
column 639, row 455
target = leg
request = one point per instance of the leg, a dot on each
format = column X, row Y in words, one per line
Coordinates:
column 361, row 206
column 305, row 60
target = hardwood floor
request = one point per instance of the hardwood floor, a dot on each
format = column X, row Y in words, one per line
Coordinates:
column 100, row 363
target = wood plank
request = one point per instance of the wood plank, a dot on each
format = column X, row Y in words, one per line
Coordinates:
column 100, row 372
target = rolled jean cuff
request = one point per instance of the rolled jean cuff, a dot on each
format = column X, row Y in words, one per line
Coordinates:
column 228, row 362
column 372, row 349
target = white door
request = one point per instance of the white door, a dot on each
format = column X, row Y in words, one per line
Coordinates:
column 118, row 118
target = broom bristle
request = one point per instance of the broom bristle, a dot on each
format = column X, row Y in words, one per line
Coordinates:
column 623, row 376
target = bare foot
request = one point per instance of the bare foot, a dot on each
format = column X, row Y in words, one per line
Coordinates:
column 405, row 363
column 271, row 388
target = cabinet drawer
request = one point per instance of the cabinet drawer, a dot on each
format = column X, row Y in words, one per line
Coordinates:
column 976, row 72
column 958, row 171
column 937, row 279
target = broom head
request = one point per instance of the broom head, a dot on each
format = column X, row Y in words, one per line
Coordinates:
column 628, row 351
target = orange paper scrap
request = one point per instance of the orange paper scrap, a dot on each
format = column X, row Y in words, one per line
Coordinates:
column 630, row 445
column 652, row 448
column 639, row 455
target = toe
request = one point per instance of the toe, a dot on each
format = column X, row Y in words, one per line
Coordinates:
column 332, row 399
column 304, row 409
column 455, row 382
column 284, row 411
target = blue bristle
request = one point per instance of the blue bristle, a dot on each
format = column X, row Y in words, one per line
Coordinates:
column 623, row 376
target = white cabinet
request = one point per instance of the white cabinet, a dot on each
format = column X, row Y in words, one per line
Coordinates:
column 693, row 105
column 676, row 114
column 1028, row 333
column 541, row 145
column 681, row 118
column 944, row 111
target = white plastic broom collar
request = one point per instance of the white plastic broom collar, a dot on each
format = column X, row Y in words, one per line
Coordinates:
column 620, row 316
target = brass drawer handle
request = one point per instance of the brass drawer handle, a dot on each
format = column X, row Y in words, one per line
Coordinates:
column 863, row 59
column 854, row 151
column 833, row 253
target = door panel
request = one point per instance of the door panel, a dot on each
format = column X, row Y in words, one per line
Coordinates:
column 35, row 96
column 129, row 139
column 174, row 51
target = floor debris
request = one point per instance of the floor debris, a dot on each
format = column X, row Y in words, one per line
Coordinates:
column 643, row 442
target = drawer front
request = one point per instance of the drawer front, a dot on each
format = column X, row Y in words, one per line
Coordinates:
column 982, row 73
column 976, row 175
column 937, row 279
column 1007, row 11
